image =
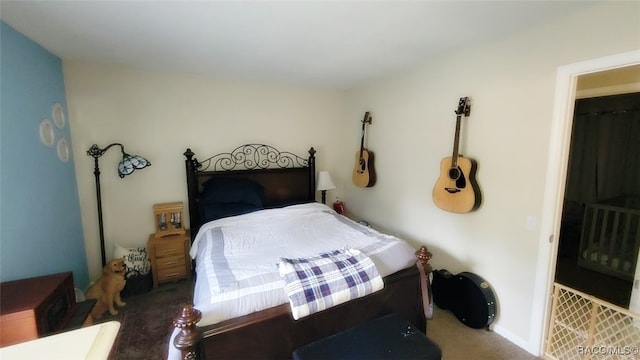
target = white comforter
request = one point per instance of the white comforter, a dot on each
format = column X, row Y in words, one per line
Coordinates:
column 237, row 257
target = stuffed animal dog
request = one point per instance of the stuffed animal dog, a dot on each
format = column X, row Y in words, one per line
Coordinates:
column 106, row 290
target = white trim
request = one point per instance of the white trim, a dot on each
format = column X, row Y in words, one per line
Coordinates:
column 562, row 122
column 522, row 343
column 608, row 90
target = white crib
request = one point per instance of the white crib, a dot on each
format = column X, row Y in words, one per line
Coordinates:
column 610, row 237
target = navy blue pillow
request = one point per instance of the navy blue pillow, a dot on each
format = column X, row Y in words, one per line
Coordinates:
column 232, row 190
column 211, row 211
column 288, row 203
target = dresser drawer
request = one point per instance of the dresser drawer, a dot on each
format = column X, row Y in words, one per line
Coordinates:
column 170, row 249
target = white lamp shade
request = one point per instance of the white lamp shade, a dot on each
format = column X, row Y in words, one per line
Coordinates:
column 324, row 181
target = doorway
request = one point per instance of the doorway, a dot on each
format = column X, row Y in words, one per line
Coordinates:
column 600, row 231
column 565, row 96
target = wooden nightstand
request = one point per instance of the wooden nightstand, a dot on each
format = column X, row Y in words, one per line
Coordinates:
column 169, row 257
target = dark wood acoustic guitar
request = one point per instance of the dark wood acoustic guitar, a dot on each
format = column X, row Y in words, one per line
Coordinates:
column 467, row 295
column 363, row 172
column 456, row 190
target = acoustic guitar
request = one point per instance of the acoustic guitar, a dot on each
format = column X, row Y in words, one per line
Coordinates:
column 363, row 172
column 456, row 190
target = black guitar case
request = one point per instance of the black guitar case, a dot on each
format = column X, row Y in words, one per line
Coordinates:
column 467, row 295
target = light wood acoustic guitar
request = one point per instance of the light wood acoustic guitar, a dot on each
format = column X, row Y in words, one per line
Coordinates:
column 363, row 172
column 456, row 189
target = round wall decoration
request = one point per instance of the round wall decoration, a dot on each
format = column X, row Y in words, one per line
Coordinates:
column 57, row 113
column 47, row 136
column 63, row 150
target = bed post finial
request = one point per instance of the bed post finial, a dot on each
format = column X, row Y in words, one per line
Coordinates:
column 192, row 163
column 187, row 339
column 424, row 256
column 425, row 270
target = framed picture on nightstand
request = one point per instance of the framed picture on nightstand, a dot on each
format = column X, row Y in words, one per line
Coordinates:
column 168, row 219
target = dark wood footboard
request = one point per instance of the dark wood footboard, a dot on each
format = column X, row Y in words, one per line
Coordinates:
column 273, row 334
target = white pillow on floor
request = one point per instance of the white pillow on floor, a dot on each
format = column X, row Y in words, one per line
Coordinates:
column 136, row 259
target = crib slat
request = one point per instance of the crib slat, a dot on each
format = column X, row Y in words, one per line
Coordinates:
column 614, row 239
column 636, row 241
column 602, row 239
column 592, row 233
column 625, row 232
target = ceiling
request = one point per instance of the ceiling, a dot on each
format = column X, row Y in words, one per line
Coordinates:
column 313, row 43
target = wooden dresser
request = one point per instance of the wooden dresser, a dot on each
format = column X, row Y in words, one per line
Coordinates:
column 169, row 257
column 34, row 307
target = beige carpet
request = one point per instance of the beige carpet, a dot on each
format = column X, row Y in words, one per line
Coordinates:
column 459, row 341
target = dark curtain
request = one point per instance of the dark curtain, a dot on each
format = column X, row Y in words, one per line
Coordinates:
column 604, row 162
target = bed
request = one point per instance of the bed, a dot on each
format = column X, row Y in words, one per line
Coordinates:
column 286, row 186
column 610, row 237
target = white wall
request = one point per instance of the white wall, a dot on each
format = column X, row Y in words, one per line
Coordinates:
column 159, row 115
column 511, row 83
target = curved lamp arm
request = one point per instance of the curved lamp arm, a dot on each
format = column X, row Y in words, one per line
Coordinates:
column 126, row 166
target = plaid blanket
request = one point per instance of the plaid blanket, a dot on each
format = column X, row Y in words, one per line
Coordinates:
column 328, row 279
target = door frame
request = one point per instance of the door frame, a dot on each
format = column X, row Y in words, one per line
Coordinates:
column 558, row 155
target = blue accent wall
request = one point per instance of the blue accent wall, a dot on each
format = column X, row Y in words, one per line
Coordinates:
column 40, row 223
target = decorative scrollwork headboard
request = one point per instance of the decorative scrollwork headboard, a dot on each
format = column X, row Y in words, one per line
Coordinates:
column 251, row 157
column 286, row 177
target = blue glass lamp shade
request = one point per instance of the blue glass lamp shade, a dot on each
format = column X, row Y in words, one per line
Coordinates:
column 131, row 163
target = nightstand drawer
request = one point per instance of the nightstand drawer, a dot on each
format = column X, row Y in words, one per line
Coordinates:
column 171, row 273
column 170, row 261
column 169, row 248
column 169, row 257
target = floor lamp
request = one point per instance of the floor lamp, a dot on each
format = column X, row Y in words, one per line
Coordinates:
column 126, row 166
column 325, row 183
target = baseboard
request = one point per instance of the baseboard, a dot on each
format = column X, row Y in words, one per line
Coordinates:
column 525, row 345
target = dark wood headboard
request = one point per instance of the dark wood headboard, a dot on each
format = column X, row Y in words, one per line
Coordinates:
column 286, row 177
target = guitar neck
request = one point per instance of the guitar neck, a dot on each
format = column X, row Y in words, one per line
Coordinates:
column 456, row 142
column 366, row 120
column 463, row 109
column 362, row 140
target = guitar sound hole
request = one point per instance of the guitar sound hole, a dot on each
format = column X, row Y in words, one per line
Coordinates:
column 454, row 173
column 363, row 166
